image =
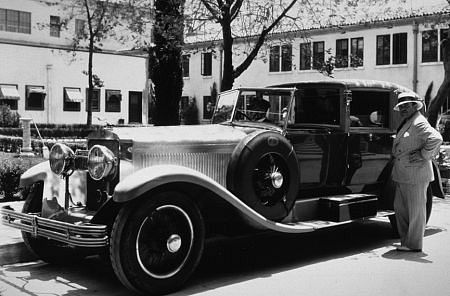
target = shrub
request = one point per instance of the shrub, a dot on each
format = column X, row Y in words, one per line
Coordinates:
column 8, row 117
column 10, row 172
column 191, row 113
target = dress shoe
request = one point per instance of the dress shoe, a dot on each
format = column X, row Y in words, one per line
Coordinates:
column 406, row 249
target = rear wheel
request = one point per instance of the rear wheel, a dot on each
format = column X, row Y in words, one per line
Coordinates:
column 46, row 249
column 156, row 244
column 429, row 207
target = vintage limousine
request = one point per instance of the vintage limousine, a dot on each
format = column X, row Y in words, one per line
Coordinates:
column 292, row 158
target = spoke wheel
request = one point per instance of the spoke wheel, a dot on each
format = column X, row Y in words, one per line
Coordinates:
column 271, row 179
column 157, row 243
column 263, row 172
column 164, row 241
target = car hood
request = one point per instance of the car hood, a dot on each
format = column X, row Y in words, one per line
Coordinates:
column 168, row 137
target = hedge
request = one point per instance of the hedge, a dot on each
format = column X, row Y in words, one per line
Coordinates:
column 52, row 131
column 10, row 172
column 15, row 144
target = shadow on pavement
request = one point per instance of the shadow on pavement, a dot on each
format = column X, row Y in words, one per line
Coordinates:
column 225, row 262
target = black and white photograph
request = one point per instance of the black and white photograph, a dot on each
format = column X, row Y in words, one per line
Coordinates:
column 224, row 147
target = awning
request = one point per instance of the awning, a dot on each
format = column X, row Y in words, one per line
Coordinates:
column 37, row 90
column 73, row 95
column 115, row 93
column 9, row 92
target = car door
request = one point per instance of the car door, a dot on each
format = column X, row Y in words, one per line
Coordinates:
column 370, row 136
column 317, row 135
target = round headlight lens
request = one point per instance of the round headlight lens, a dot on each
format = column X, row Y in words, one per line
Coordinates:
column 61, row 158
column 101, row 162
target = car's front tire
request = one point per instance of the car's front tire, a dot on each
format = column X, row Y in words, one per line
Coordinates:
column 156, row 243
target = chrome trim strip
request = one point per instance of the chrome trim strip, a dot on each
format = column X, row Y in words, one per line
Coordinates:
column 80, row 235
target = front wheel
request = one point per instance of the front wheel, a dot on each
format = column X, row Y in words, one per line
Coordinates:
column 48, row 250
column 157, row 243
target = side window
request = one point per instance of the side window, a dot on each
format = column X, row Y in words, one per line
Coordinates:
column 34, row 97
column 318, row 105
column 72, row 99
column 369, row 108
column 95, row 100
column 113, row 99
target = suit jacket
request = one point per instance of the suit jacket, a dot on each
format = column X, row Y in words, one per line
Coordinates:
column 416, row 134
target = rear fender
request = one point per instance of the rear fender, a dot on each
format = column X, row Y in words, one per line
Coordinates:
column 388, row 190
column 145, row 180
column 436, row 185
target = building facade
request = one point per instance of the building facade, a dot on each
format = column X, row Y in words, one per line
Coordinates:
column 405, row 50
column 43, row 78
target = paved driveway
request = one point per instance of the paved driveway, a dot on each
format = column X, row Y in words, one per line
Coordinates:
column 356, row 259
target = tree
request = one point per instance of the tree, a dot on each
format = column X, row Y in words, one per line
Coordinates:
column 99, row 20
column 165, row 59
column 441, row 97
column 101, row 17
column 249, row 14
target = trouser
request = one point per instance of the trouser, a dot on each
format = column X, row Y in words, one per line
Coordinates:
column 410, row 212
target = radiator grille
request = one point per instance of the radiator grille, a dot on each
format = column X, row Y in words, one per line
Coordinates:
column 214, row 165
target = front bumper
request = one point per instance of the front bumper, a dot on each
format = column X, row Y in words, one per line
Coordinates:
column 74, row 234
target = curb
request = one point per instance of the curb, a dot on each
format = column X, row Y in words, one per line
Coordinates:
column 15, row 253
column 12, row 248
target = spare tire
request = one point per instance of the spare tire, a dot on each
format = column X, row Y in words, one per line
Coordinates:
column 263, row 173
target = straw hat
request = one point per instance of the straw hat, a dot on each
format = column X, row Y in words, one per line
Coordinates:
column 409, row 97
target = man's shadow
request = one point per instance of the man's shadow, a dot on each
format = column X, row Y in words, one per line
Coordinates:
column 419, row 257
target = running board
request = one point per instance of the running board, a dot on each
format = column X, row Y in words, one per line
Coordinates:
column 320, row 224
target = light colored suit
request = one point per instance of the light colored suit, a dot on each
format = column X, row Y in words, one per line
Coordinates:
column 415, row 134
column 412, row 178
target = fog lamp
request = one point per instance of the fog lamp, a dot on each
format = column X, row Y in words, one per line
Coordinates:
column 61, row 159
column 101, row 162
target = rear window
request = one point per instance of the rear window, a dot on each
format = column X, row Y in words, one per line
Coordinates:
column 318, row 106
column 369, row 108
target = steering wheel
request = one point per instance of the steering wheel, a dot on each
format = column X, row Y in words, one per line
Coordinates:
column 243, row 114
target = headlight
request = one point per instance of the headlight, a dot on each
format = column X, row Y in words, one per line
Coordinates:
column 61, row 159
column 101, row 162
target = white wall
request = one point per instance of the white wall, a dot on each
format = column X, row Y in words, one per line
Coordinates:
column 258, row 73
column 34, row 59
column 54, row 69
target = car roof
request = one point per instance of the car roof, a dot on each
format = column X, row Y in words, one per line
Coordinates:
column 348, row 83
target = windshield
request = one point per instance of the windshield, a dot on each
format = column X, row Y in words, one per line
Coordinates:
column 225, row 105
column 254, row 105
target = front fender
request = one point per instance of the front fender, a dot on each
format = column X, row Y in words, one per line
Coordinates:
column 149, row 178
column 35, row 174
column 54, row 185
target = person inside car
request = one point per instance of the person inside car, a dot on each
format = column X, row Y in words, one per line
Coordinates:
column 260, row 109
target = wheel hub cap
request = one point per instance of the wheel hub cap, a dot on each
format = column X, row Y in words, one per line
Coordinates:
column 173, row 243
column 277, row 179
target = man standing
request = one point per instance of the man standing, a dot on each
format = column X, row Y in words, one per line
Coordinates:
column 414, row 147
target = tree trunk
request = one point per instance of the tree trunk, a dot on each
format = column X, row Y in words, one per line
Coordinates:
column 90, row 84
column 165, row 63
column 443, row 91
column 228, row 71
